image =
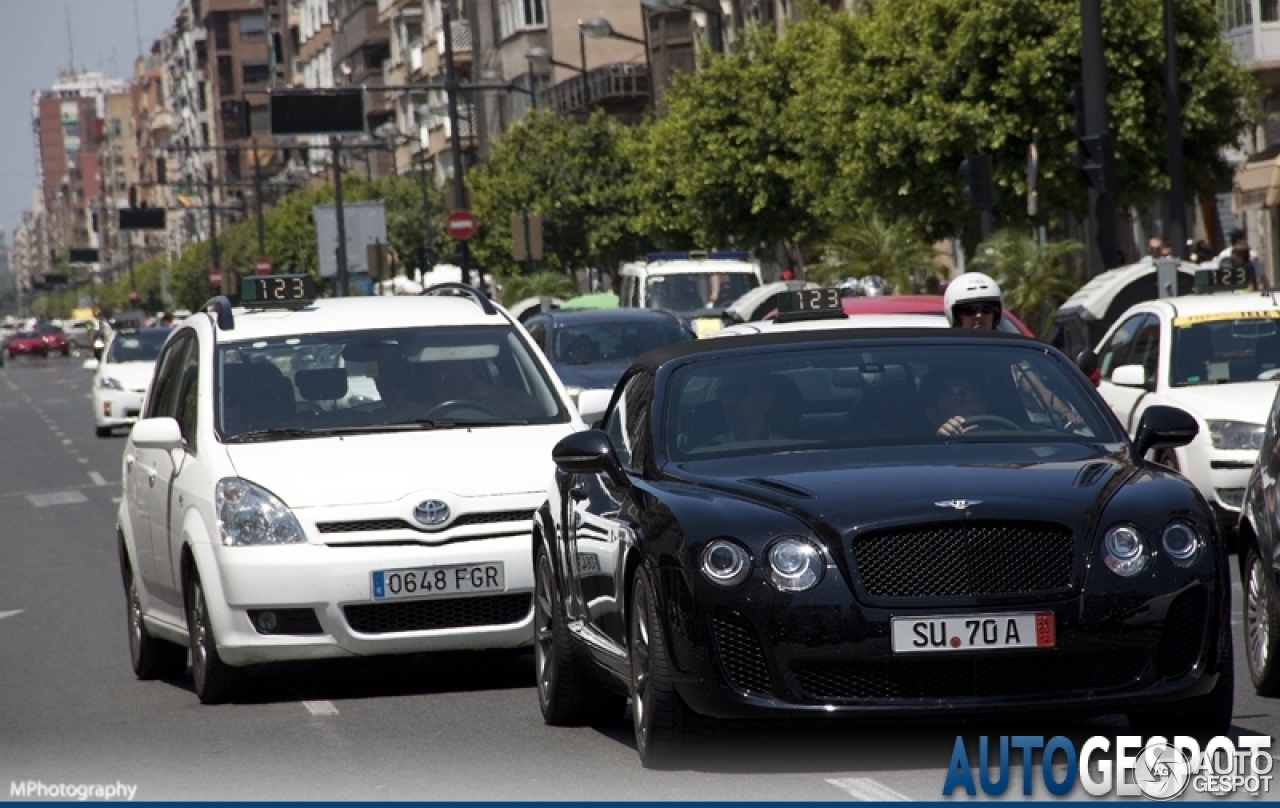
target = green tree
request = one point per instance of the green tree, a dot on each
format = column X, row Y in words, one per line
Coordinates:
column 577, row 175
column 870, row 246
column 1034, row 278
column 894, row 96
column 517, row 287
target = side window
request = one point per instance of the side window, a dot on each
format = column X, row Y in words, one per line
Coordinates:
column 1146, row 347
column 1116, row 352
column 167, row 369
column 186, row 393
column 626, row 423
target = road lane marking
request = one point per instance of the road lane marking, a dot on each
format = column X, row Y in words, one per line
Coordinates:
column 97, row 478
column 320, row 707
column 3, row 615
column 866, row 789
column 57, row 498
column 66, row 441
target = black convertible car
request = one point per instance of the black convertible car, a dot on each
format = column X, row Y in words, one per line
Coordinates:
column 834, row 524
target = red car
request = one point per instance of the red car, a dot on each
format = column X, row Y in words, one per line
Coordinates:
column 26, row 343
column 915, row 304
column 54, row 338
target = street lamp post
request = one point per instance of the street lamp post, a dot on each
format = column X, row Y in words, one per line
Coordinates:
column 542, row 56
column 600, row 28
column 582, row 60
column 388, row 131
column 451, row 91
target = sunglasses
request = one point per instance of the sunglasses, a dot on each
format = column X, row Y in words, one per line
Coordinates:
column 975, row 309
column 958, row 390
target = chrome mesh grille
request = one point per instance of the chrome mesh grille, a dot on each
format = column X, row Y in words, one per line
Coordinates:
column 959, row 559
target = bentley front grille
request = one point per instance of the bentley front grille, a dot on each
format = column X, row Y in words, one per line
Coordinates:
column 963, row 559
column 1032, row 675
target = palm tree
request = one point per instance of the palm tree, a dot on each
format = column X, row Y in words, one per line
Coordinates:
column 870, row 246
column 1035, row 278
column 541, row 284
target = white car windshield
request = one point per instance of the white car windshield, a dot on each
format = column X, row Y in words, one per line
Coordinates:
column 697, row 291
column 367, row 381
column 1225, row 348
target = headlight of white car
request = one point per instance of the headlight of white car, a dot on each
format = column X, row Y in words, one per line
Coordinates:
column 1236, row 435
column 108, row 383
column 251, row 515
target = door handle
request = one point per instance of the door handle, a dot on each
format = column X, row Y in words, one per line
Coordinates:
column 151, row 479
column 128, row 462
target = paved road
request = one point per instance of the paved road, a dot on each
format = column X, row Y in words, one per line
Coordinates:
column 461, row 727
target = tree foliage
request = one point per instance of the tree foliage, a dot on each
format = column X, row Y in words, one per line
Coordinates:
column 870, row 246
column 1034, row 278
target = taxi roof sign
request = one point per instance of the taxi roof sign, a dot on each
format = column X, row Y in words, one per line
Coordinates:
column 1227, row 276
column 810, row 304
column 277, row 291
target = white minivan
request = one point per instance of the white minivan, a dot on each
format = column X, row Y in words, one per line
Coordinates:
column 699, row 286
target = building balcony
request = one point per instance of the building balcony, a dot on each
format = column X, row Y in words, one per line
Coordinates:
column 395, row 73
column 440, row 138
column 620, row 89
column 1256, row 46
column 387, row 9
column 433, row 58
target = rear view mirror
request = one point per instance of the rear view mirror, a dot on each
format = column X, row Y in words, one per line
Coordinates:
column 588, row 452
column 1129, row 376
column 593, row 403
column 1087, row 361
column 157, row 433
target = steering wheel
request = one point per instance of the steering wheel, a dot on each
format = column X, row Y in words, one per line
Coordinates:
column 458, row 404
column 996, row 420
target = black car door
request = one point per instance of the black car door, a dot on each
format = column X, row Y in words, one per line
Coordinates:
column 599, row 531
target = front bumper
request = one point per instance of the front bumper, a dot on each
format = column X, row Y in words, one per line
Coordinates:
column 766, row 656
column 333, row 583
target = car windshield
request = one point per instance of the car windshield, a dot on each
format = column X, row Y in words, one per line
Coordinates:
column 697, row 291
column 817, row 398
column 378, row 380
column 612, row 342
column 141, row 347
column 1225, row 348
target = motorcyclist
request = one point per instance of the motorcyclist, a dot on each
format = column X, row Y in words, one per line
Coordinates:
column 973, row 300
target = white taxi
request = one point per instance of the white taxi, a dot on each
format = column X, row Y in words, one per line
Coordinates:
column 1217, row 356
column 123, row 375
column 331, row 478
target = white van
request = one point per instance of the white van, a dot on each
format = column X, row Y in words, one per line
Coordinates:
column 696, row 285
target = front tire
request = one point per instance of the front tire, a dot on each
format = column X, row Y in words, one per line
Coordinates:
column 215, row 681
column 660, row 716
column 567, row 696
column 151, row 658
column 1261, row 626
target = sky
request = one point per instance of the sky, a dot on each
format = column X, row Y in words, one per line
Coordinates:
column 34, row 47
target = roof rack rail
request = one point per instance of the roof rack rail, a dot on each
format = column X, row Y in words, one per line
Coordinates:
column 452, row 289
column 219, row 308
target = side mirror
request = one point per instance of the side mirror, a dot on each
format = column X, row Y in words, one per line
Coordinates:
column 1164, row 427
column 588, row 452
column 157, row 433
column 1129, row 376
column 592, row 404
column 1087, row 361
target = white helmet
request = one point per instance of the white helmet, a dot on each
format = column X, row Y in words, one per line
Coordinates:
column 972, row 287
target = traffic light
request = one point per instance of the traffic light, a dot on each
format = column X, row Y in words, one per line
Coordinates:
column 1075, row 106
column 1092, row 155
column 978, row 190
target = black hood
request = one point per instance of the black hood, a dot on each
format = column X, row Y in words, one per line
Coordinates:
column 855, row 489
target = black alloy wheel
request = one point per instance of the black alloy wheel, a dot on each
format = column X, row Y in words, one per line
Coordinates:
column 1261, row 626
column 567, row 695
column 151, row 658
column 660, row 717
column 215, row 681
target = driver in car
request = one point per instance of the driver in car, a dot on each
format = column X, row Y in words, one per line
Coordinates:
column 954, row 401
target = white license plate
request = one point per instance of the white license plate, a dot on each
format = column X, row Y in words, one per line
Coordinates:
column 427, row 582
column 973, row 632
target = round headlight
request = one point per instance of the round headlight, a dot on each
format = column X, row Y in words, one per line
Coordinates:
column 795, row 564
column 1182, row 542
column 725, row 563
column 1125, row 551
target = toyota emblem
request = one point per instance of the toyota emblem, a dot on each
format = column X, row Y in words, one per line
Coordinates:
column 431, row 512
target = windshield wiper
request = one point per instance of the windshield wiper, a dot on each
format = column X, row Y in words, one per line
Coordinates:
column 471, row 423
column 384, row 426
column 256, row 435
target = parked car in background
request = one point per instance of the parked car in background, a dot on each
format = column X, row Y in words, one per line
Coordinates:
column 26, row 343
column 590, row 349
column 123, row 376
column 55, row 339
column 1217, row 356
